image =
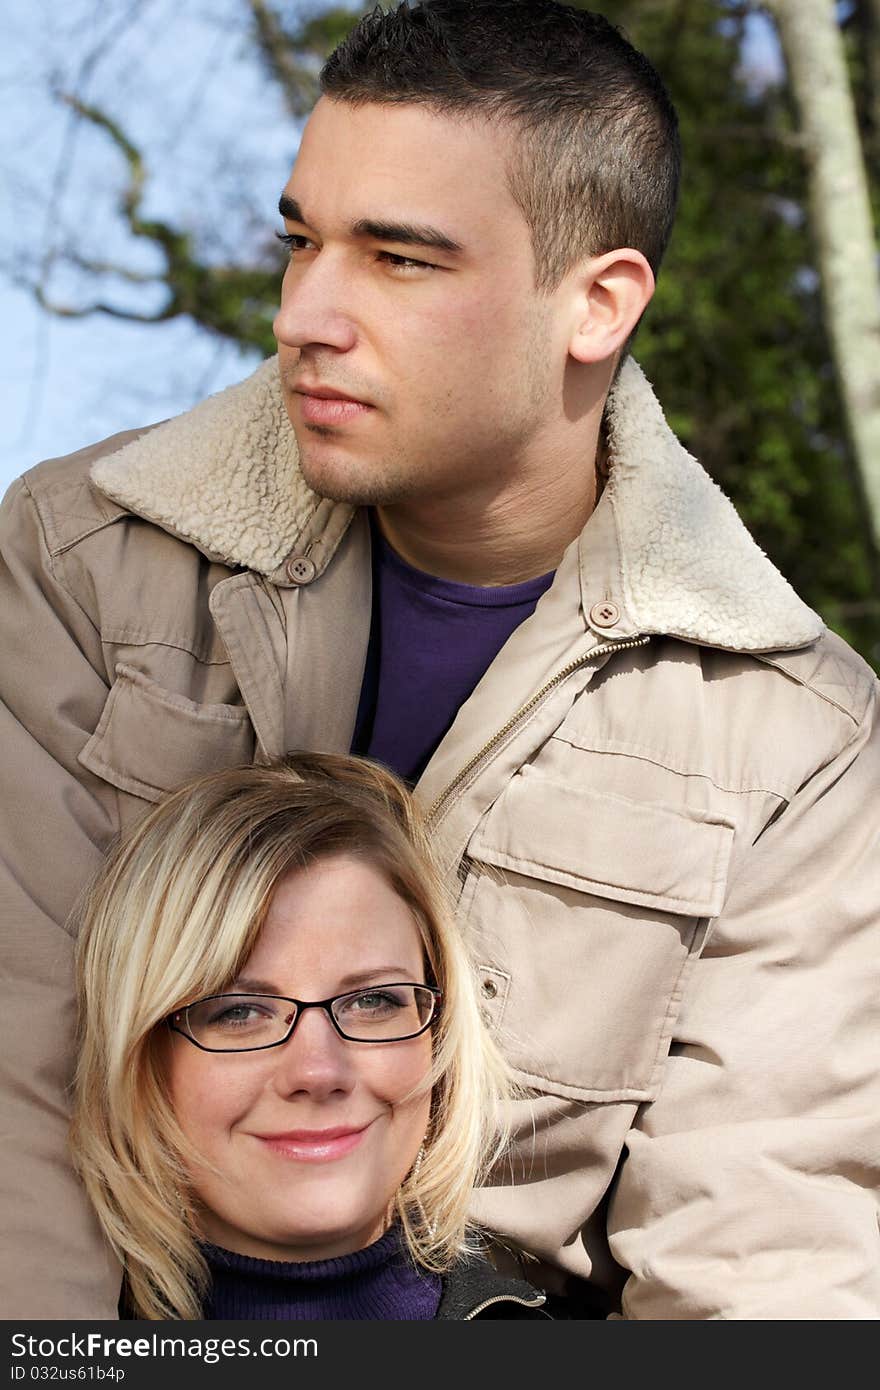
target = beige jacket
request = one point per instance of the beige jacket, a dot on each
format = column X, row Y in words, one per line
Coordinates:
column 659, row 807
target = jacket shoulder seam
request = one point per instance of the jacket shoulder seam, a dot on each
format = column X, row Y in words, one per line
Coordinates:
column 52, row 558
column 84, row 535
column 854, row 715
column 100, row 514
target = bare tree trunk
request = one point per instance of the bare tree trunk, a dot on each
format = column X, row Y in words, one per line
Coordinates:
column 841, row 220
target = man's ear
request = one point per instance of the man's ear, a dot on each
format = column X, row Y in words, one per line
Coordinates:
column 610, row 294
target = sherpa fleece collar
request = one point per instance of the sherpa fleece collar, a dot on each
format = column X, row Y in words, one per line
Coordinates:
column 225, row 476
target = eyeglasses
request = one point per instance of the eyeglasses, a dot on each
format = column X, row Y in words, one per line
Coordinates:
column 251, row 1022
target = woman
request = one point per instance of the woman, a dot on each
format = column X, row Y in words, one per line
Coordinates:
column 285, row 1093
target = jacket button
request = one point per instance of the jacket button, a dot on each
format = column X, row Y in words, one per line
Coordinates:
column 490, row 989
column 300, row 569
column 604, row 614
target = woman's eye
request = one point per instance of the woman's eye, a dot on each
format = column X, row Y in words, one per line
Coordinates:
column 374, row 1001
column 237, row 1016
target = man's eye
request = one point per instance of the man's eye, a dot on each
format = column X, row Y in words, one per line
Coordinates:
column 293, row 241
column 404, row 262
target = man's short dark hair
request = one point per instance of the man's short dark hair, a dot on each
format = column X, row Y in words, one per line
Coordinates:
column 597, row 154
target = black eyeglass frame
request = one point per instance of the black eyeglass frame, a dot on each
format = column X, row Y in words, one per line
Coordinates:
column 301, row 1006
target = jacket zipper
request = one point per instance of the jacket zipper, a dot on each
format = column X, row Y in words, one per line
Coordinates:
column 537, row 1302
column 604, row 649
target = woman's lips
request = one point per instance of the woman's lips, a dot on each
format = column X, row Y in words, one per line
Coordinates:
column 330, row 410
column 314, row 1146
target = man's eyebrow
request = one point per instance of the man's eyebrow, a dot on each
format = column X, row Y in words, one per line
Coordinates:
column 406, row 234
column 402, row 233
column 290, row 209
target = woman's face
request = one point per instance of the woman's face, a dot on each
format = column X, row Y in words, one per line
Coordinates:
column 305, row 1144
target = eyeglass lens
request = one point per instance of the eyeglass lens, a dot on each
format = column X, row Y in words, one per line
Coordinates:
column 382, row 1013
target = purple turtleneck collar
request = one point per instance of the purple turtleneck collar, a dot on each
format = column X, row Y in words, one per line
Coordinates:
column 380, row 1282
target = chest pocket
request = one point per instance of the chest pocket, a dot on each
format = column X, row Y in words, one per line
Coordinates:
column 583, row 912
column 149, row 740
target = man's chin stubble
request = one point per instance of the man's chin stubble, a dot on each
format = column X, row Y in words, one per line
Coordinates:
column 344, row 485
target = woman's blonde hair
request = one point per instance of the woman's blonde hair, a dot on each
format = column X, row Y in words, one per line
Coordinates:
column 172, row 917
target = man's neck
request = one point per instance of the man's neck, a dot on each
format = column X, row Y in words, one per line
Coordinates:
column 496, row 540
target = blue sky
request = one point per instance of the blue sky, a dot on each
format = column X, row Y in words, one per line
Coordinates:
column 184, row 80
column 182, row 77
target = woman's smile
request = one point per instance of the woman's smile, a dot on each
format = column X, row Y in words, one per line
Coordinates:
column 315, row 1145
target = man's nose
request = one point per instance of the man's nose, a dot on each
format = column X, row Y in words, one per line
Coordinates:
column 315, row 1059
column 312, row 314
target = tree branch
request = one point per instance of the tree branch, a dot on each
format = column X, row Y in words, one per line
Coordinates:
column 235, row 302
column 298, row 85
column 134, row 277
column 131, row 153
column 67, row 311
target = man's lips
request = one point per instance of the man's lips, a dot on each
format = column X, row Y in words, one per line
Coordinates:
column 324, row 405
column 314, row 1145
column 325, row 393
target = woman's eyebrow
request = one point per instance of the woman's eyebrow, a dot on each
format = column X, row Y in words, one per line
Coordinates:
column 380, row 974
column 246, row 984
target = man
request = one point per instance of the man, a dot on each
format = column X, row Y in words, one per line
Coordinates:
column 650, row 775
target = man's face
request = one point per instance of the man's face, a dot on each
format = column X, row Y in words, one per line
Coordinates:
column 454, row 360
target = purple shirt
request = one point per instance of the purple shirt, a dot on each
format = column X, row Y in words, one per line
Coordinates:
column 431, row 640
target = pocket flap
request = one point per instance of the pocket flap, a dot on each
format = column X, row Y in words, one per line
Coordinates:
column 150, row 740
column 654, row 856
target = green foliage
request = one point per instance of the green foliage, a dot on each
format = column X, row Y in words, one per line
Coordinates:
column 324, row 32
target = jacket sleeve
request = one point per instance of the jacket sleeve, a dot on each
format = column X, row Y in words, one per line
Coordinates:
column 55, row 821
column 748, row 1188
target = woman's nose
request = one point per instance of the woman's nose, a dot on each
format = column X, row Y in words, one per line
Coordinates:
column 314, row 1059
